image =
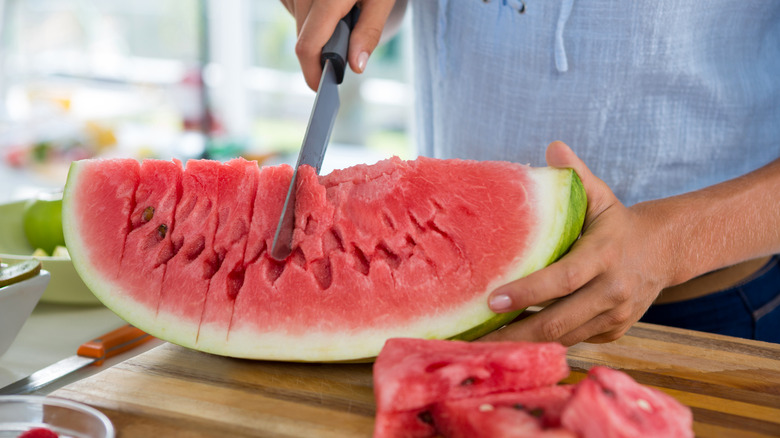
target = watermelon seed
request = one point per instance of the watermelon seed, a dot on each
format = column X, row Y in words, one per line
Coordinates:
column 162, row 230
column 468, row 381
column 519, row 406
column 644, row 405
column 425, row 417
column 536, row 413
column 486, row 407
column 608, row 392
column 148, row 214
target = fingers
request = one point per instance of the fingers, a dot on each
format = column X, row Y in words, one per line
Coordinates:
column 558, row 319
column 316, row 22
column 316, row 30
column 593, row 285
column 600, row 196
column 555, row 281
column 367, row 32
column 571, row 320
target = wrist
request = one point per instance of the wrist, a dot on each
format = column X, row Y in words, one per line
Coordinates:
column 675, row 250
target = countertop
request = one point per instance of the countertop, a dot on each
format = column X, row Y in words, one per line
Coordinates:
column 54, row 332
column 732, row 386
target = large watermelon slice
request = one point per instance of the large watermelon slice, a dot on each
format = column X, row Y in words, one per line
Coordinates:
column 394, row 249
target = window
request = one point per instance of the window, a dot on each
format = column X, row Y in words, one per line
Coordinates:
column 111, row 77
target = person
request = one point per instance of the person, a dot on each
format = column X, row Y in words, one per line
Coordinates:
column 674, row 105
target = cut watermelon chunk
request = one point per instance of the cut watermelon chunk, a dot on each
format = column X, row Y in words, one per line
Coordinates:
column 610, row 404
column 412, row 375
column 530, row 413
column 395, row 249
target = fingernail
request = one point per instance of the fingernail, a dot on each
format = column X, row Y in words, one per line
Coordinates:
column 500, row 302
column 362, row 60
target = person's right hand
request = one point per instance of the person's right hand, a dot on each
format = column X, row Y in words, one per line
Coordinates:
column 316, row 20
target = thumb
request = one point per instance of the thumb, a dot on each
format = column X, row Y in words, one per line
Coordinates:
column 367, row 32
column 600, row 196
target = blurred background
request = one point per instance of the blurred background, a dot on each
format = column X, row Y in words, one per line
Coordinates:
column 177, row 78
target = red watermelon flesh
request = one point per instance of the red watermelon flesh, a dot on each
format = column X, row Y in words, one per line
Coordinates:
column 528, row 413
column 399, row 248
column 193, row 241
column 238, row 181
column 258, row 298
column 417, row 423
column 412, row 375
column 112, row 200
column 610, row 404
column 147, row 245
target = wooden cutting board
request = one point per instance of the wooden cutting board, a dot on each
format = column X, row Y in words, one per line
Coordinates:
column 732, row 385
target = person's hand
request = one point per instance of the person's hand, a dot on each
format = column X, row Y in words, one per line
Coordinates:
column 603, row 285
column 316, row 20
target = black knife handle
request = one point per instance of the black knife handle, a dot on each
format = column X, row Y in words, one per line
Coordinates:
column 337, row 46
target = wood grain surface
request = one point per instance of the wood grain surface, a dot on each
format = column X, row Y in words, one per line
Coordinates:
column 732, row 385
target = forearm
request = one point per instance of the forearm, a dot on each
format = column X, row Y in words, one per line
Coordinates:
column 717, row 226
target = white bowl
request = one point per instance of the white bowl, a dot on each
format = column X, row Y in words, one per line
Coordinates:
column 17, row 302
column 20, row 413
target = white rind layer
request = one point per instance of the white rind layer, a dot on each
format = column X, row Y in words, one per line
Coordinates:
column 551, row 185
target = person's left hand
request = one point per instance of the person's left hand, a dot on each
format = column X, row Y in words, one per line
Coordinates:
column 603, row 285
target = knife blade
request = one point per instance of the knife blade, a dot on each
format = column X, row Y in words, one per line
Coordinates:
column 93, row 352
column 321, row 120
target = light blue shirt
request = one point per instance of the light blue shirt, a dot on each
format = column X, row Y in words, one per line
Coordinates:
column 658, row 97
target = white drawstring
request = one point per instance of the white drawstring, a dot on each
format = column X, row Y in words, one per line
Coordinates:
column 561, row 63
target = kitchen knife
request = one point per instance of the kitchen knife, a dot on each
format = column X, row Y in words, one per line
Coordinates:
column 93, row 352
column 323, row 115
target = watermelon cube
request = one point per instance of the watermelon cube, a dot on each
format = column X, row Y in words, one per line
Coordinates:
column 610, row 404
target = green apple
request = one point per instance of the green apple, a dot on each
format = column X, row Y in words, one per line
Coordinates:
column 42, row 221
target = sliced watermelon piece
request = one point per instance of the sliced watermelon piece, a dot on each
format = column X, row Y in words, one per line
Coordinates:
column 147, row 245
column 610, row 404
column 195, row 259
column 412, row 375
column 395, row 249
column 530, row 413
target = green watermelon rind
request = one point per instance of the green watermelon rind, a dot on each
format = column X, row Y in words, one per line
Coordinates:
column 569, row 230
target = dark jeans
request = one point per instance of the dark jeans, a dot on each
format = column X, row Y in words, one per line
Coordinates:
column 748, row 310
